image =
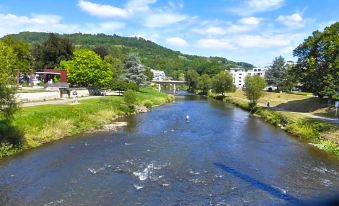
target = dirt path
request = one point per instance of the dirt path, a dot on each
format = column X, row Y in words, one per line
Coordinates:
column 60, row 101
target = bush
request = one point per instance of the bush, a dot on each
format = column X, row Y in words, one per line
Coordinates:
column 132, row 86
column 130, row 99
column 148, row 104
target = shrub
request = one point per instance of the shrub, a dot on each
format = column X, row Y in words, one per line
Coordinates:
column 148, row 104
column 130, row 99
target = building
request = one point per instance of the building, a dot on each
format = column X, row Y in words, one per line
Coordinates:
column 239, row 74
column 158, row 75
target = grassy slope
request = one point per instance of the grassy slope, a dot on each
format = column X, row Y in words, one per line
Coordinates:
column 321, row 134
column 304, row 102
column 47, row 123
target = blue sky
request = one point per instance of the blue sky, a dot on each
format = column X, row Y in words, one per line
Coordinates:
column 253, row 31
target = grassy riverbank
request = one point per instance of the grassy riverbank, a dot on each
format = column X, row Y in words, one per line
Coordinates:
column 41, row 124
column 319, row 133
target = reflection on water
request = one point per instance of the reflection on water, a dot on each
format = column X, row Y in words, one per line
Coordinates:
column 223, row 156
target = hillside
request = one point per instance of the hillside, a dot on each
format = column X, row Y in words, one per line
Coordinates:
column 152, row 54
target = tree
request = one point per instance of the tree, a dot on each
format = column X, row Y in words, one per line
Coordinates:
column 8, row 61
column 192, row 78
column 277, row 73
column 22, row 52
column 223, row 82
column 51, row 52
column 87, row 69
column 115, row 64
column 317, row 66
column 205, row 83
column 254, row 86
column 101, row 51
column 134, row 71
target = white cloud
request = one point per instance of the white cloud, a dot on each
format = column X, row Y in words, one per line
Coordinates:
column 255, row 6
column 215, row 44
column 250, row 20
column 243, row 25
column 10, row 23
column 101, row 10
column 293, row 20
column 261, row 41
column 108, row 11
column 177, row 41
column 162, row 19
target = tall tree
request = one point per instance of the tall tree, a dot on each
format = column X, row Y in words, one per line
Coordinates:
column 87, row 69
column 134, row 71
column 192, row 78
column 115, row 64
column 223, row 82
column 8, row 62
column 22, row 52
column 101, row 51
column 51, row 52
column 277, row 73
column 254, row 86
column 205, row 83
column 318, row 65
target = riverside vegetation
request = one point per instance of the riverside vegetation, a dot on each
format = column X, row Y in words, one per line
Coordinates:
column 41, row 124
column 323, row 135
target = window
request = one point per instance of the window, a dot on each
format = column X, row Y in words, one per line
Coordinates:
column 255, row 70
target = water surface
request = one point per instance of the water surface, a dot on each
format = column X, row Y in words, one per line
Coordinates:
column 223, row 156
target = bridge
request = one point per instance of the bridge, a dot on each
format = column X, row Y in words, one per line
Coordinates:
column 170, row 82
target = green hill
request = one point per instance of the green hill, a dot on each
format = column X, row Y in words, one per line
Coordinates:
column 151, row 54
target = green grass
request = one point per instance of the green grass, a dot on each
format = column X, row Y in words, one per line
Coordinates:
column 321, row 134
column 46, row 123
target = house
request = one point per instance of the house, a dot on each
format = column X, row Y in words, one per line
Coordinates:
column 158, row 75
column 239, row 74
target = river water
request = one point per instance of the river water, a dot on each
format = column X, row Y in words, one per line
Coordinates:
column 223, row 156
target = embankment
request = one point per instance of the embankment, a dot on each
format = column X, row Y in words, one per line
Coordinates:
column 321, row 134
column 34, row 126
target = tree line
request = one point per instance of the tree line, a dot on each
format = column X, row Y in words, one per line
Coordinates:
column 317, row 67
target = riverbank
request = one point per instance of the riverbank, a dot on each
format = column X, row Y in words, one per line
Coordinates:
column 34, row 126
column 321, row 134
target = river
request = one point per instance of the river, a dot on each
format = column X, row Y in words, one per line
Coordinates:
column 222, row 156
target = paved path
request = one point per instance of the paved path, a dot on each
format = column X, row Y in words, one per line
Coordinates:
column 60, row 101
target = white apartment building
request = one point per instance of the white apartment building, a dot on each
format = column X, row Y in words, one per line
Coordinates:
column 239, row 74
column 158, row 75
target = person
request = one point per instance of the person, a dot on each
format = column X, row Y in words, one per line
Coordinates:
column 187, row 118
column 75, row 96
column 268, row 104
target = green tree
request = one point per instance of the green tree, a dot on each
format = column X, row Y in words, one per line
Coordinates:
column 51, row 52
column 115, row 64
column 101, row 51
column 87, row 69
column 205, row 83
column 192, row 78
column 223, row 82
column 318, row 62
column 134, row 71
column 22, row 52
column 254, row 86
column 8, row 61
column 277, row 73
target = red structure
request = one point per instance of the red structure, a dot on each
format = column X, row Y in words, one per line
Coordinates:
column 50, row 73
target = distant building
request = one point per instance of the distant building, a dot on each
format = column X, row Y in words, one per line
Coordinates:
column 158, row 75
column 239, row 74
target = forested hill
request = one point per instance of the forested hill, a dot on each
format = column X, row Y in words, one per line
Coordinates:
column 152, row 54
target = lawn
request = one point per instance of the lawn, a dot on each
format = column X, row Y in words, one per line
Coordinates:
column 41, row 124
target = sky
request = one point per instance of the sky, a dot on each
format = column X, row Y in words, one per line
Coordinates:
column 253, row 31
